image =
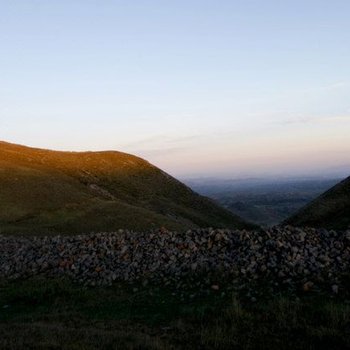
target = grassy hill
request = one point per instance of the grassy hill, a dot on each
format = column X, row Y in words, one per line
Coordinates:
column 331, row 210
column 43, row 192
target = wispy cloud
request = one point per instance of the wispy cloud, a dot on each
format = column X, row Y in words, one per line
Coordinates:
column 329, row 87
column 336, row 119
column 316, row 120
column 337, row 85
column 163, row 140
column 160, row 152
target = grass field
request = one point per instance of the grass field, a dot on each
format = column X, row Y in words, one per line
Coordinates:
column 56, row 314
column 47, row 192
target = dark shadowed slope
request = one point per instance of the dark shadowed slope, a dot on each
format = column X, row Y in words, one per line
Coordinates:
column 330, row 210
column 45, row 191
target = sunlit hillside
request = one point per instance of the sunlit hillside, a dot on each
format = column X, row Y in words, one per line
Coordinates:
column 67, row 192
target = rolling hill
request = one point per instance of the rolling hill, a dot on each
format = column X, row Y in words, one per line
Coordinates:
column 330, row 210
column 44, row 192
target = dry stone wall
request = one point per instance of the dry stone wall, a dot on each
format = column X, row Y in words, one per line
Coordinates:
column 279, row 258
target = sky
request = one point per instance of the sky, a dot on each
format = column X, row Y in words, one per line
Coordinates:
column 219, row 88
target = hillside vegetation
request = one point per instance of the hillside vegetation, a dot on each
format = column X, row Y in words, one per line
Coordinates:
column 331, row 210
column 44, row 192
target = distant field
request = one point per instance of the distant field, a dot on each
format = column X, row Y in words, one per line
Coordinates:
column 263, row 202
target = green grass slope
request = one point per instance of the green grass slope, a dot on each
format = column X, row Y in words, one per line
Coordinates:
column 43, row 192
column 331, row 210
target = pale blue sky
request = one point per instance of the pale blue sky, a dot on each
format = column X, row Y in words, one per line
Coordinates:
column 199, row 88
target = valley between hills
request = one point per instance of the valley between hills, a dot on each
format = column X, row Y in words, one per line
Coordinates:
column 102, row 250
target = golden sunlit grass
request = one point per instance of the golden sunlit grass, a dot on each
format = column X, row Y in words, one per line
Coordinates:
column 45, row 192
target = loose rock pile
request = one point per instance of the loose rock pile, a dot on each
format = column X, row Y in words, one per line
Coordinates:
column 281, row 257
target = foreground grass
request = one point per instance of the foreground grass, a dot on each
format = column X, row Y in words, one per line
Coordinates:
column 56, row 314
